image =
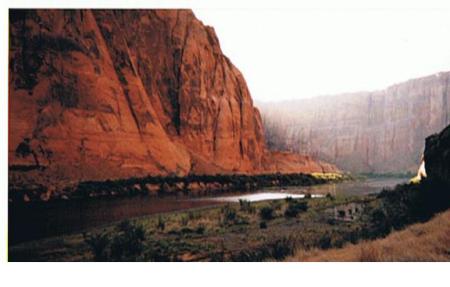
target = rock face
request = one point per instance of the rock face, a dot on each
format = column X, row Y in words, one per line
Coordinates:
column 381, row 131
column 437, row 156
column 287, row 162
column 101, row 94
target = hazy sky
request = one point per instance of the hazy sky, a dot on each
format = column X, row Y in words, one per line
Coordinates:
column 287, row 54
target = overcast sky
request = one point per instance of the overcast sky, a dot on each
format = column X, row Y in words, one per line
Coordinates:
column 288, row 53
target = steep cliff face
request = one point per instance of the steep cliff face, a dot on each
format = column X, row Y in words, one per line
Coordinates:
column 437, row 156
column 100, row 94
column 380, row 131
column 126, row 93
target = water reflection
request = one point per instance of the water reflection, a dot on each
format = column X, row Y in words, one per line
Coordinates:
column 261, row 196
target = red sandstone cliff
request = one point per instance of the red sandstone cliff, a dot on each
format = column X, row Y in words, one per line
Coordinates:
column 100, row 94
column 380, row 131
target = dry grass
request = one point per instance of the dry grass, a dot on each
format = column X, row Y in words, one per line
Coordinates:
column 428, row 241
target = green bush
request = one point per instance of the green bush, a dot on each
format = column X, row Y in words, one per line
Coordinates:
column 98, row 244
column 276, row 204
column 379, row 224
column 184, row 220
column 159, row 251
column 278, row 250
column 266, row 213
column 125, row 243
column 161, row 225
column 246, row 206
column 200, row 229
column 193, row 215
column 291, row 211
column 128, row 243
column 406, row 204
column 229, row 214
column 295, row 207
column 325, row 242
column 231, row 217
column 282, row 248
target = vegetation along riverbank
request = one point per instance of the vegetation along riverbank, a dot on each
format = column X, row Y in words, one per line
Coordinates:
column 246, row 231
column 154, row 185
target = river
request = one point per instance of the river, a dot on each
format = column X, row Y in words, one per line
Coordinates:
column 36, row 220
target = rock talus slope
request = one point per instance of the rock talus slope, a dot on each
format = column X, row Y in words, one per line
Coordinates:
column 101, row 94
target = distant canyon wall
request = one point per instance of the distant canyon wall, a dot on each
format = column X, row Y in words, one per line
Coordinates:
column 375, row 132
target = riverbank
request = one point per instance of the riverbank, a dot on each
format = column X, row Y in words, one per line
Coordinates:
column 241, row 231
column 35, row 220
column 157, row 185
column 247, row 231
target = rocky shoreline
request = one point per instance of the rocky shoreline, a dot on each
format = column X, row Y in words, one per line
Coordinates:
column 159, row 185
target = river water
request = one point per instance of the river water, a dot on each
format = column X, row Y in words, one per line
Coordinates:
column 37, row 220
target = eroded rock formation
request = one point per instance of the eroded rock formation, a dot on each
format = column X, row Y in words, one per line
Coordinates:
column 381, row 131
column 101, row 94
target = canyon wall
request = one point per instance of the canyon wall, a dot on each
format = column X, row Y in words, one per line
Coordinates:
column 103, row 94
column 375, row 132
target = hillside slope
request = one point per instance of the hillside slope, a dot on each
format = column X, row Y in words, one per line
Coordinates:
column 428, row 241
